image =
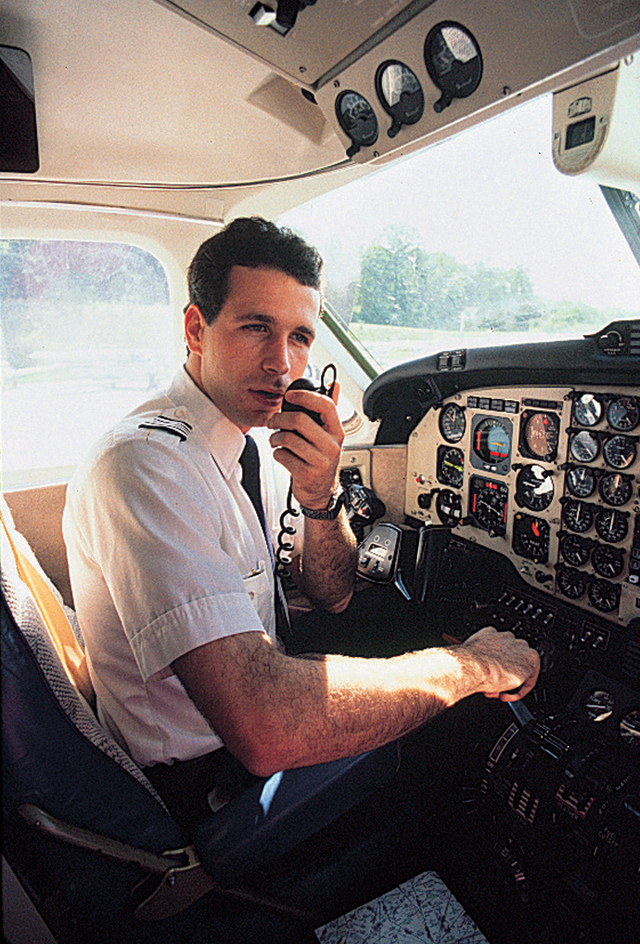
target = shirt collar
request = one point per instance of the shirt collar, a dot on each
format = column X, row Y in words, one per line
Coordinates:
column 222, row 437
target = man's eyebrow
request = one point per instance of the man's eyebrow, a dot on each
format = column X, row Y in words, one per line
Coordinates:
column 270, row 320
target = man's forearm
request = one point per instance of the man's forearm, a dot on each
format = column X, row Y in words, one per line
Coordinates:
column 328, row 564
column 275, row 711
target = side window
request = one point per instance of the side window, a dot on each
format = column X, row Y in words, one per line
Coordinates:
column 86, row 334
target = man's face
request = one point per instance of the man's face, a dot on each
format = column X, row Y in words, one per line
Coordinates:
column 258, row 344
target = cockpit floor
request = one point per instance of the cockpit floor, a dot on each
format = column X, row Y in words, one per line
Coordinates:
column 420, row 910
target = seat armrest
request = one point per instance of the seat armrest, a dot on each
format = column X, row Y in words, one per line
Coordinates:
column 274, row 817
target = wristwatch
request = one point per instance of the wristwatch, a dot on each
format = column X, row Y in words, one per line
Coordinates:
column 331, row 512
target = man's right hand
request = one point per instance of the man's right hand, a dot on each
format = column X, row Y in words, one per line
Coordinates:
column 510, row 666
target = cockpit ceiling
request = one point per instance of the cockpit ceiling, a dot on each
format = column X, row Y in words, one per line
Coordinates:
column 328, row 37
column 129, row 92
column 193, row 95
column 326, row 34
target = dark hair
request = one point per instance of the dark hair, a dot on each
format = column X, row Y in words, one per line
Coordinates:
column 251, row 242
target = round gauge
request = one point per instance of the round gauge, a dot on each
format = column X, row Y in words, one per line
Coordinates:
column 623, row 414
column 534, row 488
column 357, row 119
column 608, row 561
column 581, row 481
column 531, row 538
column 488, row 505
column 452, row 422
column 630, row 729
column 619, row 452
column 449, row 508
column 577, row 516
column 539, row 435
column 612, row 525
column 453, row 61
column 616, row 489
column 400, row 93
column 575, row 549
column 599, row 705
column 450, row 466
column 491, row 441
column 604, row 596
column 572, row 583
column 584, row 446
column 587, row 410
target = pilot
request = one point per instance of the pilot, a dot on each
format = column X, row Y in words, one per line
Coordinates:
column 172, row 570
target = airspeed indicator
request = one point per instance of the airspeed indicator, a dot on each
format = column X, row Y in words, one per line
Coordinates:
column 452, row 422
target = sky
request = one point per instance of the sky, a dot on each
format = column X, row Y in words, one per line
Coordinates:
column 489, row 195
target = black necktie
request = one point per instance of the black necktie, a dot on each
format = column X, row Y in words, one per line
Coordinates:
column 250, row 465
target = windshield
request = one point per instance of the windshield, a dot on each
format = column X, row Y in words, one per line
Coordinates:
column 476, row 241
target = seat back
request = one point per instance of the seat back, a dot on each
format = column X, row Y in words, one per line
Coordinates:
column 57, row 756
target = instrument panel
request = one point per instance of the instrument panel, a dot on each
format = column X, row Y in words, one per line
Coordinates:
column 548, row 477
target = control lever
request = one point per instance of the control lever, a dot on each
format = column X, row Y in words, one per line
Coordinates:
column 522, row 714
column 432, row 541
column 378, row 557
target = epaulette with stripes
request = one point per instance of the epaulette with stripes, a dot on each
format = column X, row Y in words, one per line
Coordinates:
column 166, row 424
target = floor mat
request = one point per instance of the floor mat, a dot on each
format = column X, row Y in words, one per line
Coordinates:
column 420, row 910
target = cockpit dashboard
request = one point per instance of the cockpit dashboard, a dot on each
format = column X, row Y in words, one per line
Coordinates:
column 519, row 475
column 547, row 477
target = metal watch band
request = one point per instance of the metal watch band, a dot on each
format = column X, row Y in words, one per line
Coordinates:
column 330, row 513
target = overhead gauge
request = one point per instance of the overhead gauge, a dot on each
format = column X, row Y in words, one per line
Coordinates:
column 539, row 435
column 619, row 452
column 587, row 410
column 584, row 446
column 452, row 422
column 454, row 62
column 357, row 119
column 623, row 414
column 400, row 93
column 534, row 488
column 581, row 481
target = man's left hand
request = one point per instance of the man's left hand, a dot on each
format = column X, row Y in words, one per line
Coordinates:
column 311, row 453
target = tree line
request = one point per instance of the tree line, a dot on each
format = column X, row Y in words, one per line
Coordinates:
column 400, row 283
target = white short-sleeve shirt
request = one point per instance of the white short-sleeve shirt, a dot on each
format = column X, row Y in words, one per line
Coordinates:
column 166, row 553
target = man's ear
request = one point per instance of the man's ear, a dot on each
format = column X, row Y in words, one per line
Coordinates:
column 194, row 324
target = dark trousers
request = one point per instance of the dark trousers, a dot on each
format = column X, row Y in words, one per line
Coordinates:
column 193, row 789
